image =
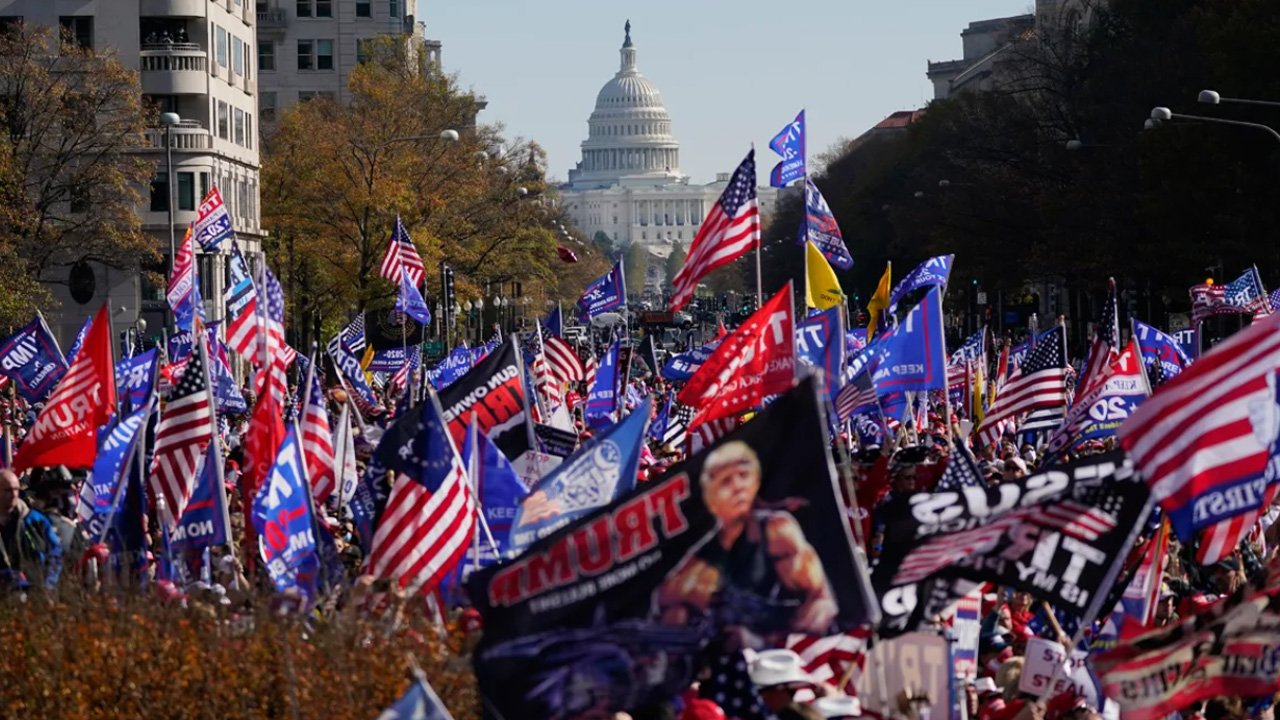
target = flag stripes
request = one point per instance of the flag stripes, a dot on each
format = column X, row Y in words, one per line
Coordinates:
column 731, row 228
column 317, row 444
column 182, row 434
column 401, row 256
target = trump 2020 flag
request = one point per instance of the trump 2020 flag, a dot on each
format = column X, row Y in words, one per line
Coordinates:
column 204, row 520
column 282, row 516
column 601, row 471
column 820, row 228
column 182, row 293
column 114, row 453
column 1158, row 347
column 913, row 356
column 603, row 398
column 820, row 345
column 935, row 271
column 789, row 143
column 136, row 378
column 32, row 360
column 213, row 223
column 606, row 293
column 410, row 301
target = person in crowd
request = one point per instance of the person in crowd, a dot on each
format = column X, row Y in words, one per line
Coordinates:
column 30, row 552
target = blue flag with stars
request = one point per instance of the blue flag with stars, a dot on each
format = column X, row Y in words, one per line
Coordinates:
column 820, row 228
column 789, row 143
column 410, row 301
column 913, row 357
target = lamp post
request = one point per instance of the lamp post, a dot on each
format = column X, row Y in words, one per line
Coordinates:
column 1164, row 114
column 1211, row 97
column 169, row 121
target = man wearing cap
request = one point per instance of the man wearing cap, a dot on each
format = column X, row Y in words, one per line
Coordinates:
column 777, row 675
column 30, row 552
column 759, row 564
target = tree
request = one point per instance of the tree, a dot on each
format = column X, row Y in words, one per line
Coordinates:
column 336, row 177
column 675, row 261
column 603, row 243
column 636, row 268
column 70, row 177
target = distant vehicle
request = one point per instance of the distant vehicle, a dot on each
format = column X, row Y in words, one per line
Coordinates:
column 607, row 319
column 574, row 332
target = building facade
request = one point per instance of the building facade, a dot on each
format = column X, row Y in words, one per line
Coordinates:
column 194, row 58
column 628, row 184
column 307, row 48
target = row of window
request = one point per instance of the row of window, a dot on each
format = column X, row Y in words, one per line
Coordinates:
column 240, row 196
column 324, row 8
column 234, row 125
column 77, row 29
column 227, row 44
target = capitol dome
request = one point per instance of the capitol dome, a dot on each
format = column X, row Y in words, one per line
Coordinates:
column 629, row 138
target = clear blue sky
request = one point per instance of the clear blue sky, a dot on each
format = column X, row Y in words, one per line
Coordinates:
column 731, row 72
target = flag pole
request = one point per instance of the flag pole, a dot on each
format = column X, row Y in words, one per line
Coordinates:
column 946, row 388
column 215, row 454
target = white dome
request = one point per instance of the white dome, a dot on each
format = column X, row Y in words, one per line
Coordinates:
column 629, row 132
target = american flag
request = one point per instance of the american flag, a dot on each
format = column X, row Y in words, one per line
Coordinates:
column 677, row 430
column 274, row 352
column 317, row 443
column 856, row 392
column 401, row 254
column 430, row 515
column 961, row 472
column 705, row 434
column 1274, row 301
column 1039, row 383
column 181, row 436
column 182, row 280
column 829, row 659
column 589, row 374
column 563, row 360
column 730, row 230
column 1105, row 340
column 1246, row 293
column 972, row 348
column 1078, row 520
column 1043, row 420
column 1209, row 430
column 242, row 306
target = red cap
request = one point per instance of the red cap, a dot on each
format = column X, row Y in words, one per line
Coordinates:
column 702, row 709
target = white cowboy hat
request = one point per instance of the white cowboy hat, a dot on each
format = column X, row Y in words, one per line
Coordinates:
column 778, row 667
column 838, row 706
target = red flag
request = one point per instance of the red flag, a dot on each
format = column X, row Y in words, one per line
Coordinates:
column 66, row 431
column 261, row 444
column 566, row 254
column 755, row 360
column 721, row 330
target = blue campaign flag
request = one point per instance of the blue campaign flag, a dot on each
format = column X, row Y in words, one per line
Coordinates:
column 605, row 293
column 820, row 344
column 601, row 471
column 789, row 143
column 419, row 703
column 1188, row 341
column 658, row 428
column 204, row 521
column 225, row 390
column 912, row 357
column 681, row 366
column 115, row 448
column 554, row 324
column 410, row 301
column 32, row 360
column 1159, row 347
column 934, row 272
column 180, row 345
column 348, row 363
column 454, row 365
column 498, row 488
column 391, row 359
column 282, row 516
column 820, row 228
column 79, row 341
column 136, row 378
column 602, row 401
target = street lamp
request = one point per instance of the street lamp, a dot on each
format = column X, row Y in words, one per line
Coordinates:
column 1164, row 114
column 169, row 121
column 1211, row 97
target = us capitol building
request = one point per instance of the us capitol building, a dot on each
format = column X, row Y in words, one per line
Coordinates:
column 628, row 184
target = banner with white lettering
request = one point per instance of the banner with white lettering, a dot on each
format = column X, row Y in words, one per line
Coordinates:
column 610, row 611
column 494, row 391
column 204, row 520
column 917, row 662
column 1054, row 534
column 1048, row 668
column 31, row 358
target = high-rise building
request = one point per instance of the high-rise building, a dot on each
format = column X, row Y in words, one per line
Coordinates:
column 628, row 184
column 307, row 48
column 195, row 58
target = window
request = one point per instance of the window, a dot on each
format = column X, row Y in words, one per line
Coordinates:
column 248, row 59
column 395, row 7
column 221, row 46
column 10, row 23
column 204, row 185
column 186, row 191
column 266, row 55
column 306, row 61
column 160, row 193
column 304, row 95
column 324, row 8
column 324, row 54
column 304, row 8
column 224, row 121
column 267, row 106
column 77, row 29
column 364, row 46
column 237, row 55
column 364, row 8
column 248, row 130
column 239, row 127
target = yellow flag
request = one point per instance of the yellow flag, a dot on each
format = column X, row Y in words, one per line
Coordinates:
column 976, row 393
column 368, row 358
column 821, row 288
column 879, row 300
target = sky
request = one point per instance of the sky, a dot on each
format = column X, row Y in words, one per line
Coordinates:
column 731, row 72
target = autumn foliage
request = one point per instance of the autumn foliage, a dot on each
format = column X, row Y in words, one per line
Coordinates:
column 81, row 656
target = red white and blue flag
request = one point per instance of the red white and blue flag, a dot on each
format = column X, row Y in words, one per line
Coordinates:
column 242, row 306
column 213, row 223
column 1106, row 339
column 730, row 230
column 401, row 256
column 1206, row 443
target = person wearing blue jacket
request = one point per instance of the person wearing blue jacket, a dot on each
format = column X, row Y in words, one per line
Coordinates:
column 30, row 552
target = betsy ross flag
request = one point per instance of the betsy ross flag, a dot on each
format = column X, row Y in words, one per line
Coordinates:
column 1206, row 440
column 1106, row 340
column 1039, row 383
column 66, row 430
column 729, row 231
column 317, row 443
column 430, row 515
column 182, row 435
column 401, row 256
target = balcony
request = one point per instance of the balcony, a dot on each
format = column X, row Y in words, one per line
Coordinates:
column 172, row 8
column 188, row 136
column 174, row 69
column 272, row 22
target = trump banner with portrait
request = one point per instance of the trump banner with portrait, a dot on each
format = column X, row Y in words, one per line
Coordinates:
column 746, row 539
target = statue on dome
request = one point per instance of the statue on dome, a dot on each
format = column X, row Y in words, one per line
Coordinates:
column 627, row 28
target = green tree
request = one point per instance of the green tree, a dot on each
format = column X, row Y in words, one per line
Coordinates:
column 675, row 261
column 636, row 267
